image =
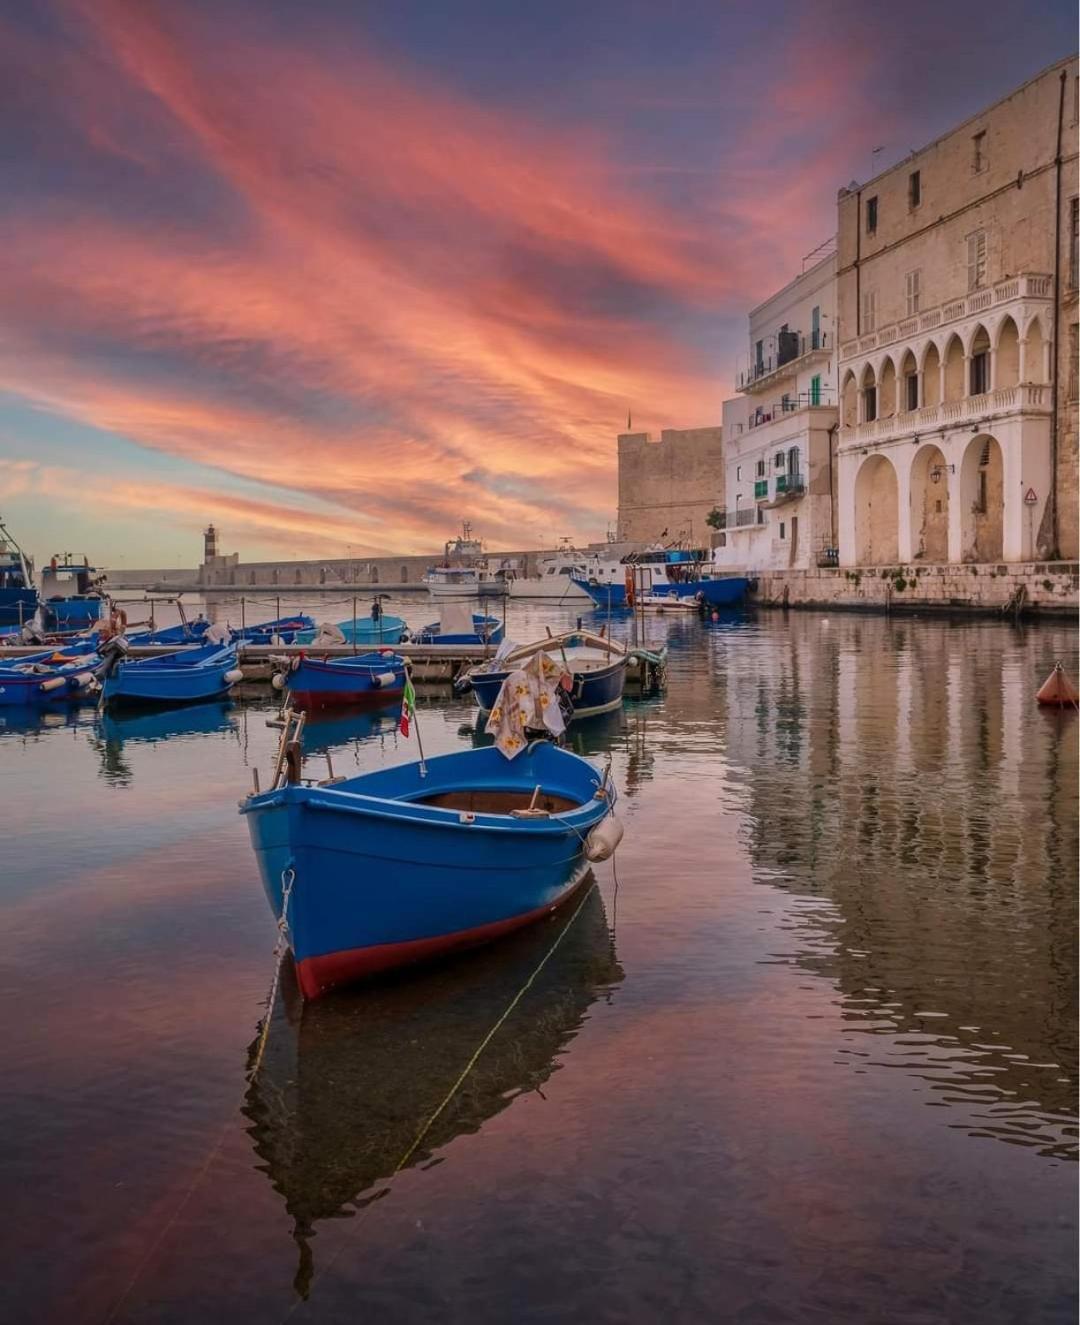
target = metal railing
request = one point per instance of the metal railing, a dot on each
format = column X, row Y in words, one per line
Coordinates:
column 790, row 404
column 794, row 348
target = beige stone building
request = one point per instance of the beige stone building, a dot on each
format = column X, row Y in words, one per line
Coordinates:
column 668, row 488
column 957, row 322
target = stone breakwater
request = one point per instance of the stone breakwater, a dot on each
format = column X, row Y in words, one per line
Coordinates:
column 1036, row 588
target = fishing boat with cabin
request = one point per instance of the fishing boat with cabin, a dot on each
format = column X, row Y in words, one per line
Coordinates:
column 465, row 572
column 73, row 597
column 18, row 594
column 662, row 572
column 457, row 625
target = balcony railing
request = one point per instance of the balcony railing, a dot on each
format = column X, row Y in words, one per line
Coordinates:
column 741, row 518
column 1031, row 286
column 953, row 412
column 791, row 404
column 794, row 347
column 790, row 483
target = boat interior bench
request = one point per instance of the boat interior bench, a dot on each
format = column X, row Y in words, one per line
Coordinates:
column 489, row 801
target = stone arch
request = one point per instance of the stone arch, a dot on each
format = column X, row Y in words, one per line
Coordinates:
column 849, row 400
column 876, row 513
column 1007, row 355
column 979, row 361
column 1035, row 354
column 982, row 500
column 954, row 369
column 931, row 375
column 887, row 388
column 930, row 505
column 907, row 384
column 868, row 392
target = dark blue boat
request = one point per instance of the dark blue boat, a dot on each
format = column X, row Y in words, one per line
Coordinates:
column 411, row 862
column 485, row 630
column 204, row 672
column 47, row 679
column 71, row 597
column 365, row 677
column 597, row 668
column 18, row 596
column 282, row 630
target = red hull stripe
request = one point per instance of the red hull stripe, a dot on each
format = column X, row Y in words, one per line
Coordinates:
column 318, row 975
column 352, row 698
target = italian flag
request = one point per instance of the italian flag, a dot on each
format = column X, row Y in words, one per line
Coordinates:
column 408, row 706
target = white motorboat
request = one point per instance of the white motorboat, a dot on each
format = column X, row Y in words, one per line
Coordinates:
column 555, row 578
column 464, row 582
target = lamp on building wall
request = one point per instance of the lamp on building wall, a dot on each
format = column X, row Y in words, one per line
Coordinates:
column 939, row 470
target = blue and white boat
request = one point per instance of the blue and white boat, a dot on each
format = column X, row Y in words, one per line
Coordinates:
column 45, row 679
column 282, row 630
column 596, row 667
column 18, row 596
column 324, row 682
column 205, row 672
column 661, row 572
column 365, row 630
column 415, row 861
column 72, row 598
column 457, row 625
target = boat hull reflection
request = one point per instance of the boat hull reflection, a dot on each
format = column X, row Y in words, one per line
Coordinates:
column 348, row 1083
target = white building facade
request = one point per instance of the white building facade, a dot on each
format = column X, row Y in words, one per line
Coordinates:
column 957, row 437
column 780, row 433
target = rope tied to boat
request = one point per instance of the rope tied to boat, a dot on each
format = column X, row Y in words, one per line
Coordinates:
column 281, row 947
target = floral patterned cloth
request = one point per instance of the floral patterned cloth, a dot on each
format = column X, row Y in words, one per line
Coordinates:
column 527, row 700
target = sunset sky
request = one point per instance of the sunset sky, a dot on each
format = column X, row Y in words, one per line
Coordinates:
column 336, row 275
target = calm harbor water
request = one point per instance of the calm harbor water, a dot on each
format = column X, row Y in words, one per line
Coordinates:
column 811, row 1057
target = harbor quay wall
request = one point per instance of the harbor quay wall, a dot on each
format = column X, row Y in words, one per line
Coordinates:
column 1034, row 588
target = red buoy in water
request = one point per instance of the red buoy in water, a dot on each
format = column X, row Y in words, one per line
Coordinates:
column 1058, row 690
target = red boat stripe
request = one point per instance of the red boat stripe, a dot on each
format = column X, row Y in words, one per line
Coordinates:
column 317, row 975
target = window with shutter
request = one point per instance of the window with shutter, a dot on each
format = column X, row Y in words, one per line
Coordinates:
column 911, row 291
column 978, row 159
column 976, row 260
column 869, row 311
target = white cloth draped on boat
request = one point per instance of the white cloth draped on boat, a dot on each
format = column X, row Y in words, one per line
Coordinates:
column 455, row 618
column 528, row 699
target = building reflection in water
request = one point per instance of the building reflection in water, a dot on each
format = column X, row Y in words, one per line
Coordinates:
column 901, row 772
column 349, row 1082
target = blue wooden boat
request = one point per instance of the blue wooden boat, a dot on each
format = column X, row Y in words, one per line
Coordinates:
column 71, row 597
column 597, row 668
column 485, row 630
column 284, row 630
column 45, row 679
column 207, row 671
column 364, row 678
column 415, row 861
column 387, row 630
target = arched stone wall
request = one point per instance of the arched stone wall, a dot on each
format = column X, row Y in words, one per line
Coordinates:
column 930, row 505
column 887, row 390
column 849, row 401
column 932, row 376
column 1034, row 353
column 982, row 500
column 868, row 391
column 909, row 371
column 955, row 386
column 1007, row 365
column 876, row 513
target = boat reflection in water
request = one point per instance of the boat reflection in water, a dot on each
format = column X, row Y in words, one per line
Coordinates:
column 348, row 1082
column 339, row 730
column 113, row 731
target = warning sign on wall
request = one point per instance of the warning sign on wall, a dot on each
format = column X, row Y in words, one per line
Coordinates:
column 1029, row 497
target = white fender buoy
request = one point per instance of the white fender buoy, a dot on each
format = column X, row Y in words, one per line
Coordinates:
column 278, row 681
column 604, row 838
column 384, row 679
column 54, row 683
column 233, row 675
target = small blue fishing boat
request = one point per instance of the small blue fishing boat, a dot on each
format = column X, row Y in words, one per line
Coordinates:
column 44, row 679
column 596, row 666
column 18, row 596
column 412, row 862
column 283, row 630
column 207, row 671
column 368, row 631
column 457, row 625
column 364, row 678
